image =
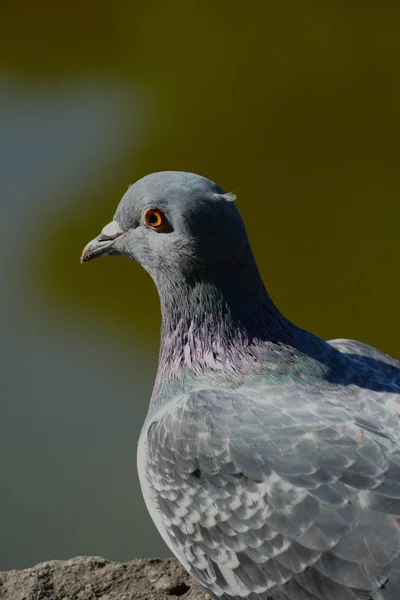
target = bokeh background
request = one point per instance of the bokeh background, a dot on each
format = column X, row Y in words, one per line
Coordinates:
column 295, row 106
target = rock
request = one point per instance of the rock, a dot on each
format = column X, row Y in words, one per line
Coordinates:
column 94, row 578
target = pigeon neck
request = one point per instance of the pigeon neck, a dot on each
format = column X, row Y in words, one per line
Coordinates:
column 208, row 321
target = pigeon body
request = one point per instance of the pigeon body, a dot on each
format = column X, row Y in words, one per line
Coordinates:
column 269, row 459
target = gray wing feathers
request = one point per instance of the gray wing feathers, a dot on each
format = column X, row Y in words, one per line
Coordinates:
column 363, row 350
column 377, row 374
column 284, row 501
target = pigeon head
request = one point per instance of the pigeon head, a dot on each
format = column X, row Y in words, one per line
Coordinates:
column 188, row 234
column 176, row 224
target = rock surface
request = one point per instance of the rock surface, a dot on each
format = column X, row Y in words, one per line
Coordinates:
column 93, row 578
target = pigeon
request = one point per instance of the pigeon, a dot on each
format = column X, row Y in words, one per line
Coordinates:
column 269, row 459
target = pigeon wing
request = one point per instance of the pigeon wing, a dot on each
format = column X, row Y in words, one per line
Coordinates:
column 289, row 500
column 365, row 352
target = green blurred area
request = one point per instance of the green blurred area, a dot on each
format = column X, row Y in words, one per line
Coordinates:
column 294, row 106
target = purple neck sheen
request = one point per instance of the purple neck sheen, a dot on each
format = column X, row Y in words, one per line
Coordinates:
column 212, row 321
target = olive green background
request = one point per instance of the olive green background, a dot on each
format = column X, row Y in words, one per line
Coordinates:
column 295, row 106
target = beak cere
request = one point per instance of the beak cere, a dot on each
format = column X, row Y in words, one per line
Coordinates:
column 103, row 243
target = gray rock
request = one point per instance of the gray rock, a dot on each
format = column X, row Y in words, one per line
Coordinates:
column 94, row 578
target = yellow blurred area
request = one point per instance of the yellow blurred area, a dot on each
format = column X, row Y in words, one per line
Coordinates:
column 294, row 106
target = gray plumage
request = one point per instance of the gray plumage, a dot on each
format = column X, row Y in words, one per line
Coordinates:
column 269, row 459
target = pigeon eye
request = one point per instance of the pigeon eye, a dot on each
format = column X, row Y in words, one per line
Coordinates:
column 154, row 218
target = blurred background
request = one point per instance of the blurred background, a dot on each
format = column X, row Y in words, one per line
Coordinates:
column 295, row 106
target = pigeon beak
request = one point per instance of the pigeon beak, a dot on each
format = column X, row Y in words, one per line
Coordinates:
column 103, row 243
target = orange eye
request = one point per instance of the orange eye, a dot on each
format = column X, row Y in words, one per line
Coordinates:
column 154, row 218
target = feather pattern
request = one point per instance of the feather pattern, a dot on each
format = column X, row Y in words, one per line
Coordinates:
column 288, row 491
